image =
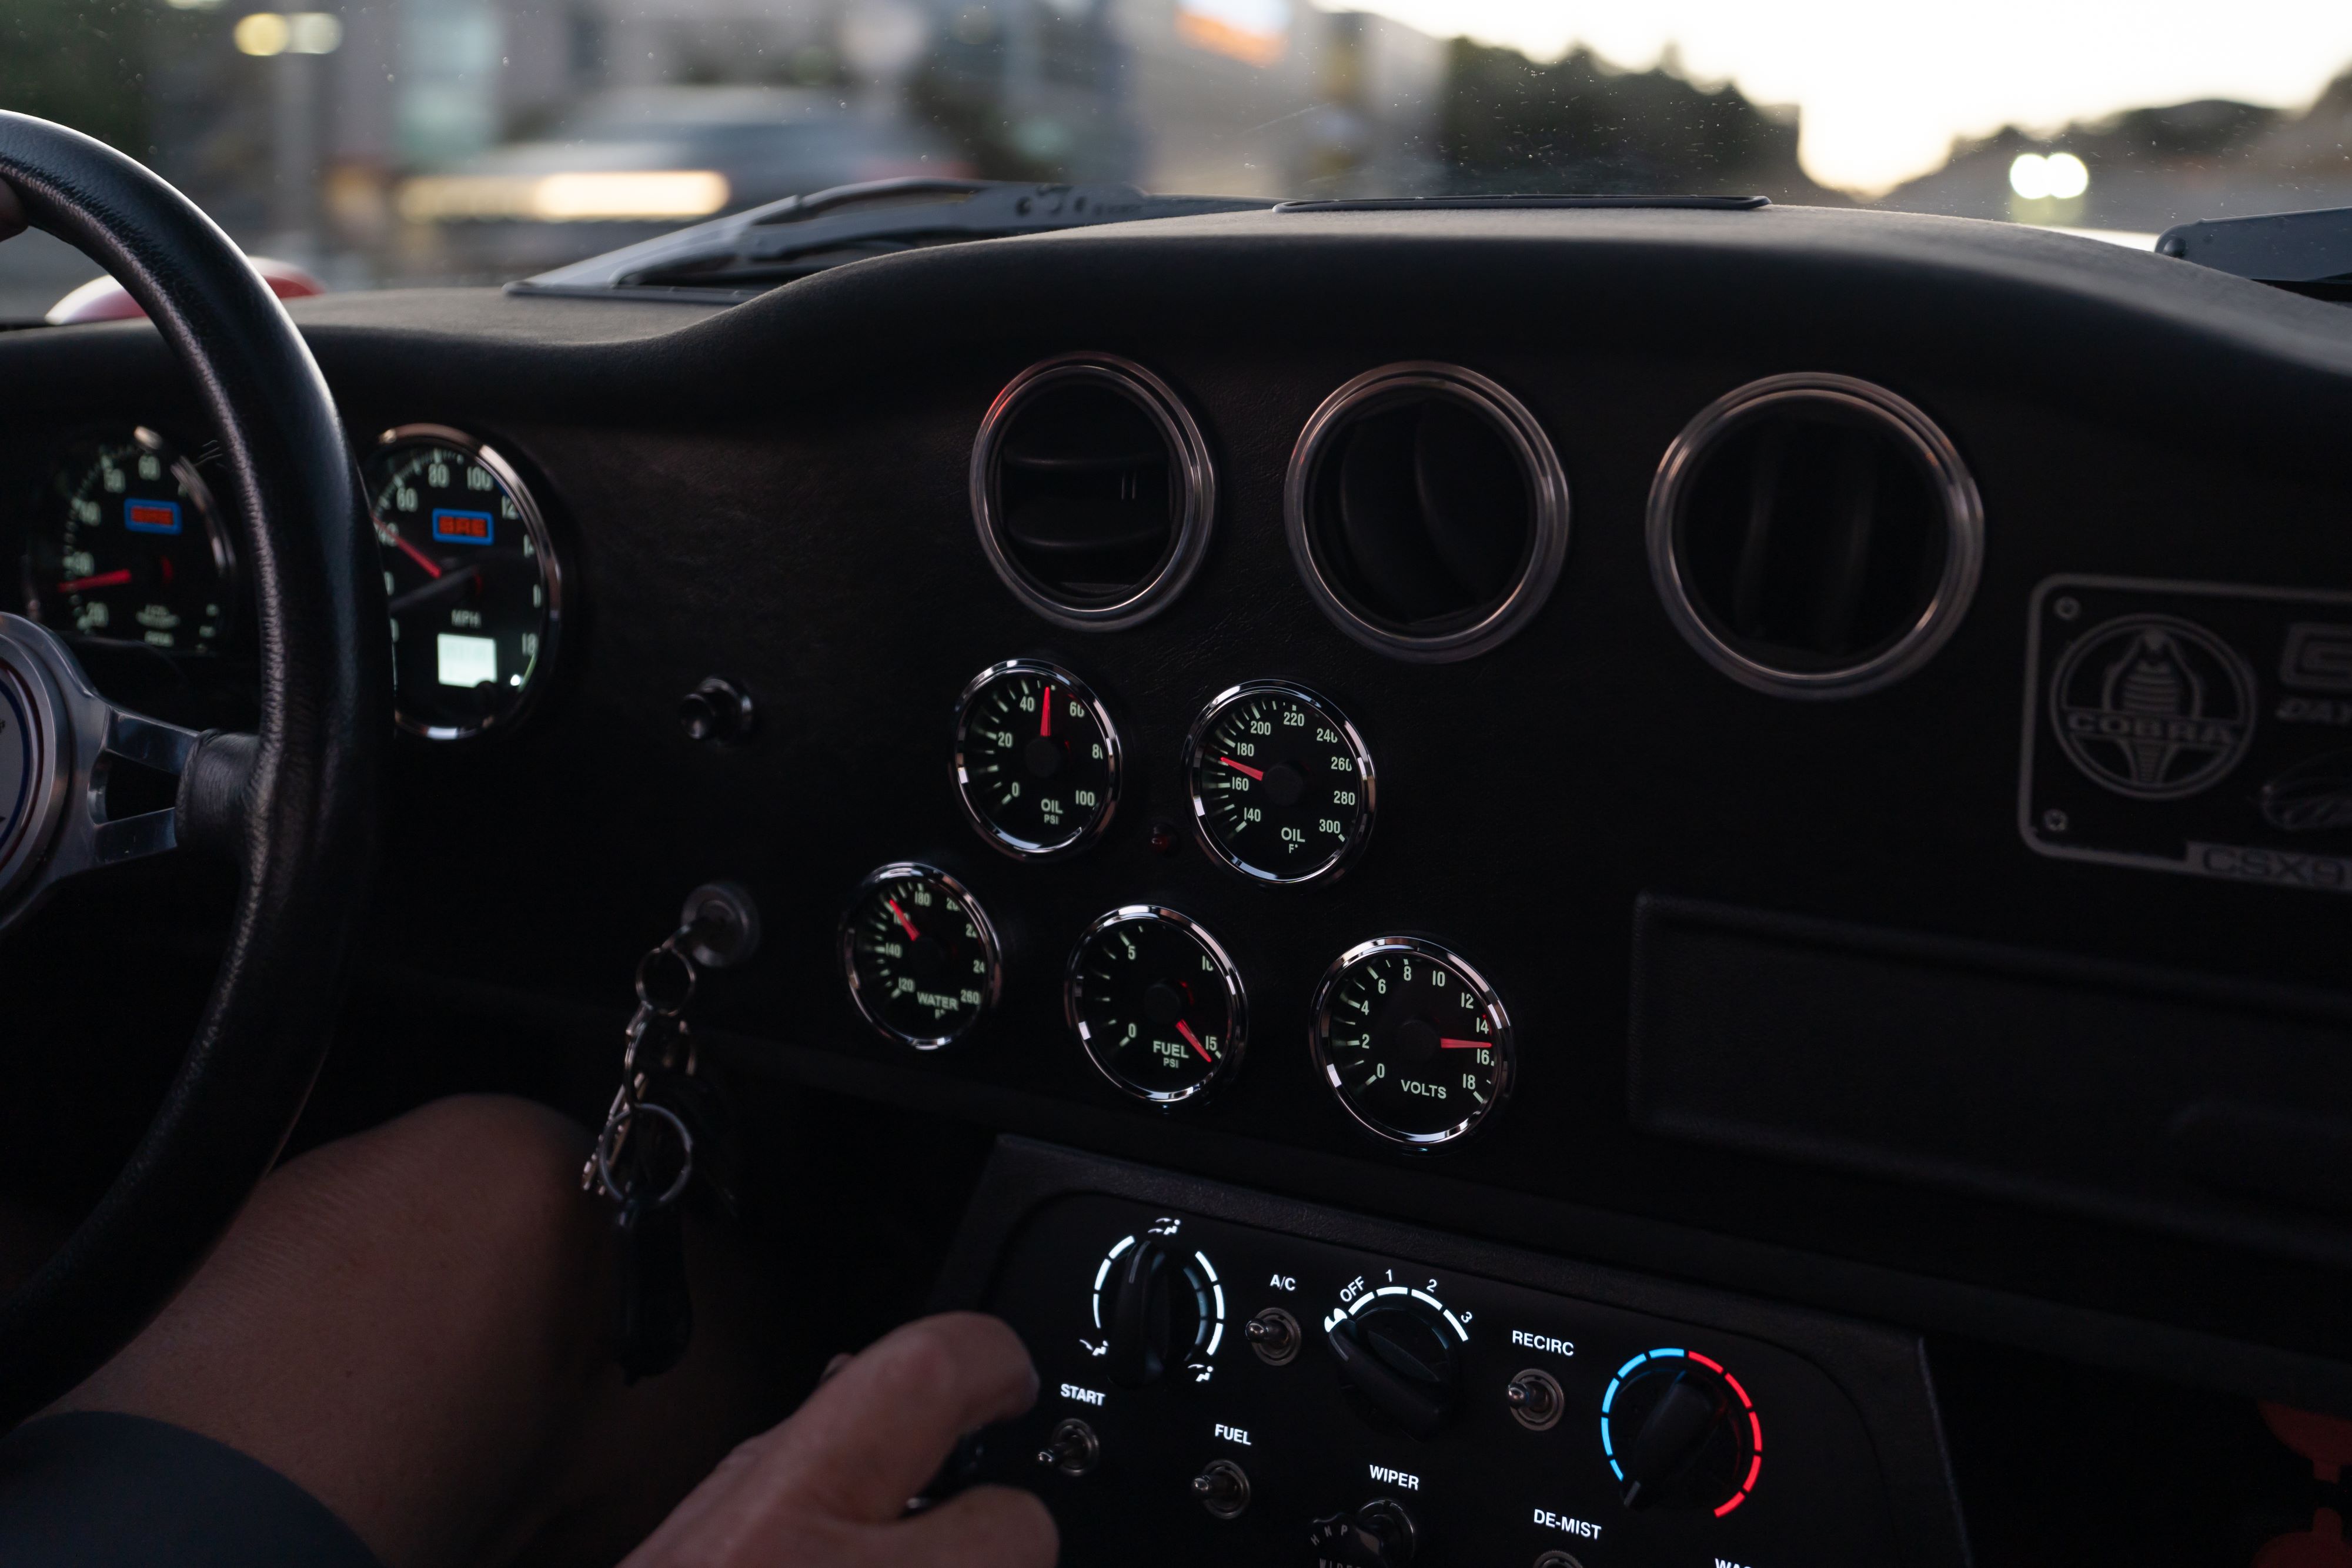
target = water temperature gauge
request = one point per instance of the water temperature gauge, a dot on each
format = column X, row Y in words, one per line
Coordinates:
column 920, row 958
column 1158, row 1309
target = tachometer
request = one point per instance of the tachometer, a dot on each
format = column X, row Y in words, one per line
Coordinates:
column 919, row 956
column 1156, row 1003
column 127, row 546
column 1036, row 760
column 477, row 591
column 1281, row 782
column 1416, row 1045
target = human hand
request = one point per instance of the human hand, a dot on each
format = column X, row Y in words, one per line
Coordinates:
column 828, row 1487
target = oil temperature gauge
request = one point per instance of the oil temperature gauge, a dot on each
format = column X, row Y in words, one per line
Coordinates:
column 1156, row 1003
column 1281, row 783
column 919, row 956
column 1414, row 1041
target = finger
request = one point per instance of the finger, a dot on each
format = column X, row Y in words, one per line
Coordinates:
column 875, row 1432
column 987, row 1527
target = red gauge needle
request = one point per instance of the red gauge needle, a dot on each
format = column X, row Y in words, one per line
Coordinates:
column 1445, row 1044
column 909, row 926
column 418, row 556
column 1243, row 768
column 1185, row 1030
column 1045, row 722
column 115, row 579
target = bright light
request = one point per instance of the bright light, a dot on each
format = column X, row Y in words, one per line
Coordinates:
column 316, row 32
column 265, row 33
column 565, row 198
column 466, row 662
column 2061, row 176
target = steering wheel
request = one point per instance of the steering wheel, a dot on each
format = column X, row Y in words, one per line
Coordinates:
column 292, row 806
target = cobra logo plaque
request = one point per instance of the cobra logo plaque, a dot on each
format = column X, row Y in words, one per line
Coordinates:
column 2190, row 728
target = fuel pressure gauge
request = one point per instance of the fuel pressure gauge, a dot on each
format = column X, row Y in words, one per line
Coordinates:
column 477, row 591
column 1156, row 1003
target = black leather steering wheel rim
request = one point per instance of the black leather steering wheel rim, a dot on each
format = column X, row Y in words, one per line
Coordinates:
column 302, row 834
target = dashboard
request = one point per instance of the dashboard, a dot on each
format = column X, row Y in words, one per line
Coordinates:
column 1797, row 752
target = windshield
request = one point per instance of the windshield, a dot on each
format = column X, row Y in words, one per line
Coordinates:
column 387, row 142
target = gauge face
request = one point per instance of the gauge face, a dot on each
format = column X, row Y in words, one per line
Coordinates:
column 127, row 546
column 1414, row 1043
column 1281, row 783
column 476, row 593
column 1036, row 760
column 920, row 958
column 1156, row 1004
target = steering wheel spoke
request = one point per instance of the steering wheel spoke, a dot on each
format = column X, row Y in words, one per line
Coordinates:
column 61, row 744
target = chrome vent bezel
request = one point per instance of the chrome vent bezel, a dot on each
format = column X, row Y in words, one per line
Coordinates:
column 1956, row 490
column 1189, row 466
column 1548, row 491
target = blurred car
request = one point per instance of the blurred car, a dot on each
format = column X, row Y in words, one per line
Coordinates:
column 638, row 161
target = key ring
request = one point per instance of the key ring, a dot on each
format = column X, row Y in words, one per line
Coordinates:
column 668, row 948
column 608, row 1145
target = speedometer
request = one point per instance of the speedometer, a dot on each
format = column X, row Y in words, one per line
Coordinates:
column 1281, row 782
column 127, row 547
column 477, row 591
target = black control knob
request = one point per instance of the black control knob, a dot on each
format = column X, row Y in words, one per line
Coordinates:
column 718, row 711
column 1378, row 1535
column 1157, row 1316
column 1682, row 1438
column 1397, row 1357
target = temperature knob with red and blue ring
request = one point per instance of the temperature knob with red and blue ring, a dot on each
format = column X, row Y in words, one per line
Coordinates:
column 1679, row 1432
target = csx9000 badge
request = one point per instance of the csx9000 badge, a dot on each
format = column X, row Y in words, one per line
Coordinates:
column 2190, row 728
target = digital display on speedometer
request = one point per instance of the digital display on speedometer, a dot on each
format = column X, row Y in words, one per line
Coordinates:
column 476, row 590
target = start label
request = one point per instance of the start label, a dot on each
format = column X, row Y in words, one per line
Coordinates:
column 2193, row 727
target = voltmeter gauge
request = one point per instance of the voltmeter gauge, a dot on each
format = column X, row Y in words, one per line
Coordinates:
column 1281, row 783
column 1415, row 1044
column 1036, row 760
column 1156, row 1004
column 919, row 956
column 477, row 591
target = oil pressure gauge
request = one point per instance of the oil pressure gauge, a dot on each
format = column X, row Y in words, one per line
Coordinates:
column 1415, row 1044
column 1036, row 760
column 1280, row 782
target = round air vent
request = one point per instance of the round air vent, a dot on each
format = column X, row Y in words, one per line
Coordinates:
column 1092, row 490
column 1427, row 511
column 1814, row 536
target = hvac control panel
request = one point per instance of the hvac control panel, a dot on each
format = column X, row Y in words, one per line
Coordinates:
column 1217, row 1393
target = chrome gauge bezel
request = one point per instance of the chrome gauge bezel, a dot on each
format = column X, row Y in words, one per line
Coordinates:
column 1190, row 467
column 226, row 567
column 1087, row 831
column 1956, row 490
column 1228, row 973
column 534, row 522
column 845, row 949
column 1319, row 1029
column 1547, row 495
column 1367, row 779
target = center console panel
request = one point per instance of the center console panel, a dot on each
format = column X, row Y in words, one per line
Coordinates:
column 1230, row 1377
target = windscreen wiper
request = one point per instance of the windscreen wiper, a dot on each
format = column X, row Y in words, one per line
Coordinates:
column 732, row 259
column 2302, row 253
